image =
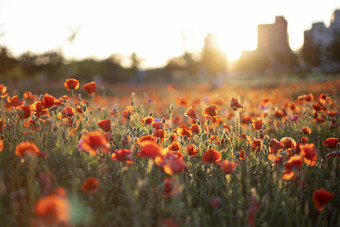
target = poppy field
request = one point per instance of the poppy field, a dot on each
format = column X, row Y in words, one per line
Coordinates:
column 173, row 155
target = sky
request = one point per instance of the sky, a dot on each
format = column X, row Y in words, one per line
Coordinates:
column 155, row 30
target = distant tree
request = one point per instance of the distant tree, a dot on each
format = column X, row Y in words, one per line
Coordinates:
column 7, row 62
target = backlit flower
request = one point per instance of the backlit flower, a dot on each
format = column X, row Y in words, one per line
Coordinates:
column 90, row 186
column 90, row 88
column 71, row 84
column 212, row 155
column 13, row 102
column 191, row 113
column 26, row 147
column 93, row 141
column 306, row 130
column 192, row 150
column 333, row 154
column 321, row 197
column 309, row 154
column 105, row 125
column 331, row 142
column 211, row 111
column 257, row 124
column 235, row 105
column 149, row 149
column 294, row 162
column 228, row 166
column 288, row 142
column 121, row 155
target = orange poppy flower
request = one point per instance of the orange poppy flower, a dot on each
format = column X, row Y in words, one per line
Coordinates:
column 90, row 186
column 306, row 130
column 228, row 166
column 321, row 197
column 53, row 209
column 90, row 88
column 211, row 111
column 257, row 124
column 93, row 141
column 146, row 138
column 13, row 102
column 192, row 150
column 331, row 142
column 158, row 125
column 173, row 166
column 288, row 142
column 29, row 95
column 195, row 129
column 212, row 155
column 105, row 124
column 148, row 120
column 71, row 84
column 3, row 90
column 309, row 154
column 121, row 155
column 256, row 145
column 183, row 130
column 149, row 149
column 26, row 147
column 235, row 105
column 1, row 145
column 294, row 161
column 191, row 113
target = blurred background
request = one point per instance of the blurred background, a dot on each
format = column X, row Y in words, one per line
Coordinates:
column 151, row 41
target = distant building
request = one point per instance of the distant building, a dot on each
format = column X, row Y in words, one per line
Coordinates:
column 273, row 52
column 316, row 41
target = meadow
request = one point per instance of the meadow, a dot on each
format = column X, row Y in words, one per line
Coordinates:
column 237, row 154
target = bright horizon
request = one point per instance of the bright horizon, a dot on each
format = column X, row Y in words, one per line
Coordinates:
column 155, row 30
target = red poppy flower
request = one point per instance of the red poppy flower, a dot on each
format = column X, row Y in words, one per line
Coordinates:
column 93, row 141
column 121, row 155
column 294, row 161
column 53, row 209
column 173, row 166
column 170, row 187
column 105, row 124
column 195, row 129
column 309, row 154
column 158, row 125
column 25, row 112
column 228, row 166
column 49, row 101
column 321, row 197
column 288, row 142
column 3, row 90
column 333, row 154
column 306, row 131
column 169, row 222
column 148, row 120
column 192, row 150
column 191, row 113
column 90, row 186
column 215, row 203
column 257, row 124
column 90, row 88
column 275, row 145
column 183, row 130
column 149, row 149
column 1, row 145
column 235, row 105
column 13, row 102
column 212, row 155
column 211, row 111
column 331, row 142
column 67, row 112
column 26, row 147
column 71, row 84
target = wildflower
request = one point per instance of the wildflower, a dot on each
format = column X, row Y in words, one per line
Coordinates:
column 257, row 124
column 321, row 197
column 191, row 113
column 169, row 222
column 71, row 84
column 215, row 203
column 173, row 166
column 195, row 129
column 183, row 130
column 295, row 162
column 148, row 120
column 288, row 142
column 121, row 155
column 212, row 155
column 333, row 154
column 49, row 101
column 3, row 90
column 331, row 142
column 158, row 125
column 211, row 111
column 28, row 95
column 275, row 145
column 13, row 102
column 1, row 145
column 192, row 150
column 90, row 88
column 228, row 166
column 170, row 187
column 93, row 141
column 90, row 186
column 25, row 112
column 235, row 105
column 306, row 131
column 26, row 147
column 105, row 124
column 67, row 112
column 149, row 149
column 309, row 154
column 53, row 209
